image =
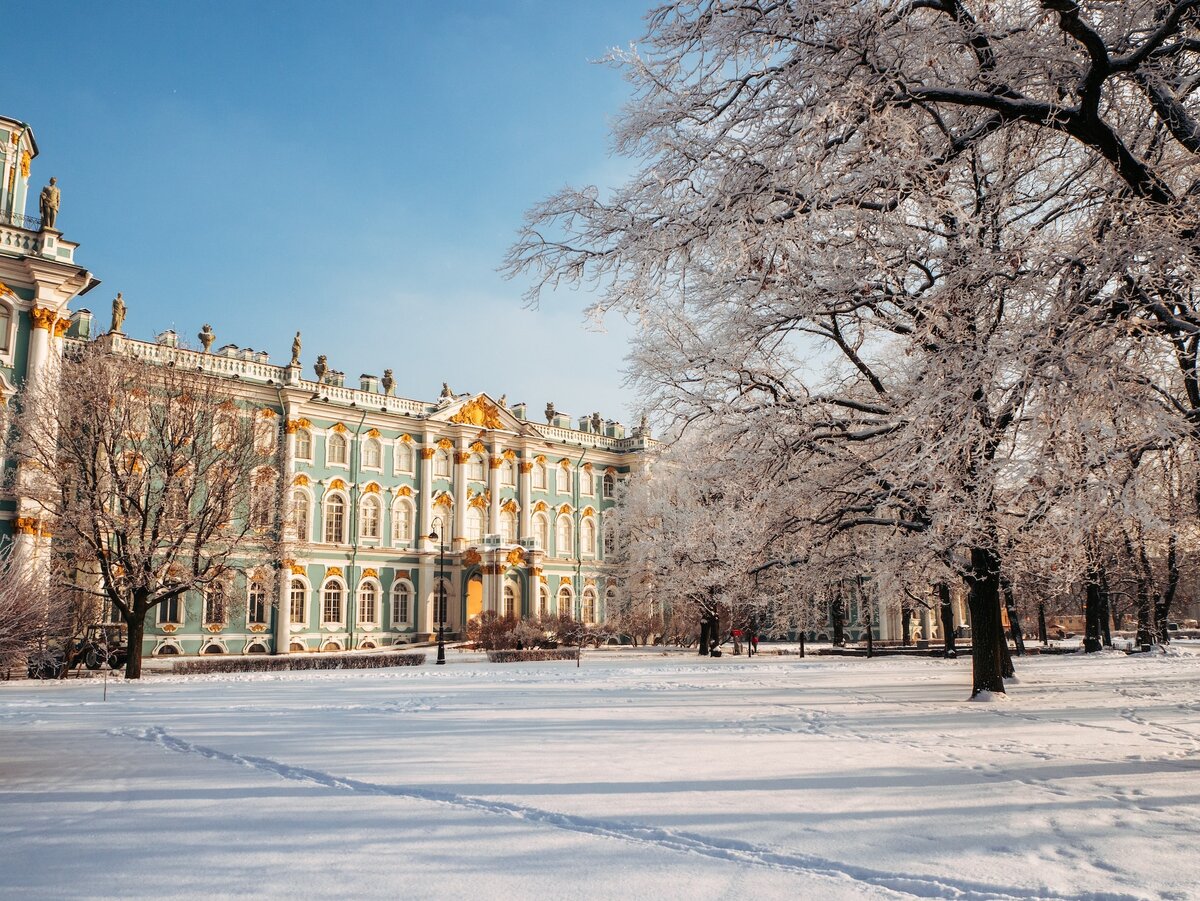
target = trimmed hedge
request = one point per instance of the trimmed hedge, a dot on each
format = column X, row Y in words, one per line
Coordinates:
column 288, row 662
column 532, row 654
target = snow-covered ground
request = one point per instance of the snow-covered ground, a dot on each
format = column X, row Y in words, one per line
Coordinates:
column 637, row 775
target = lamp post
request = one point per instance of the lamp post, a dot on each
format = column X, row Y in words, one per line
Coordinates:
column 439, row 592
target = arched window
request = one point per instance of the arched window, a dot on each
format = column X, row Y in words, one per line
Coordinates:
column 441, row 464
column 298, row 601
column 610, row 601
column 6, row 321
column 543, row 602
column 265, row 431
column 369, row 516
column 565, row 604
column 262, row 492
column 610, row 484
column 300, row 519
column 303, row 444
column 256, row 603
column 331, row 601
column 508, row 472
column 510, row 601
column 541, row 531
column 335, row 519
column 587, row 537
column 474, row 524
column 401, row 598
column 476, row 471
column 539, row 475
column 215, row 606
column 564, row 546
column 372, row 454
column 368, row 602
column 508, row 526
column 404, row 457
column 402, row 522
column 335, row 449
column 587, row 610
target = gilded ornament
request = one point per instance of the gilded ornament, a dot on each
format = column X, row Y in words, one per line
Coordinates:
column 25, row 158
column 339, row 428
column 43, row 317
column 293, row 425
column 443, row 500
column 301, row 479
column 509, row 454
column 406, row 439
column 445, row 444
column 509, row 506
column 333, row 571
column 370, row 573
column 5, row 289
column 587, row 467
column 479, row 412
column 337, row 485
column 526, row 467
column 373, row 433
column 404, row 491
column 61, row 326
column 461, row 457
column 427, row 453
column 588, row 511
column 267, row 413
column 515, row 557
column 169, row 628
column 564, row 463
column 540, row 507
column 258, row 627
column 495, row 462
column 297, row 569
column 565, row 508
column 471, row 557
column 372, row 488
column 478, row 447
column 26, row 525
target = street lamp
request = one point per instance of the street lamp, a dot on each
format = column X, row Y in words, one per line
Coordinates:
column 439, row 596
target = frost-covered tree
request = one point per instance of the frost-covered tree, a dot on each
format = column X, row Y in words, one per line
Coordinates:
column 153, row 481
column 889, row 221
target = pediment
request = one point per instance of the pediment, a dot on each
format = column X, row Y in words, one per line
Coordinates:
column 481, row 412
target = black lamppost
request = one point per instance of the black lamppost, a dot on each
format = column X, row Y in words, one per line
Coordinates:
column 439, row 595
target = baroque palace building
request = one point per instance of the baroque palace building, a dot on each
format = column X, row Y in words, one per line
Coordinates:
column 397, row 512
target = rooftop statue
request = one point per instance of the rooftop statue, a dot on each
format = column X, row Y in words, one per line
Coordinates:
column 48, row 204
column 295, row 350
column 446, row 392
column 550, row 412
column 207, row 336
column 387, row 381
column 321, row 367
column 118, row 312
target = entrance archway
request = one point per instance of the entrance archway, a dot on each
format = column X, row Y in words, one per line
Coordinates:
column 474, row 597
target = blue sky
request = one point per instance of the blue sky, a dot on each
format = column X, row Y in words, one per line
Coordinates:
column 354, row 170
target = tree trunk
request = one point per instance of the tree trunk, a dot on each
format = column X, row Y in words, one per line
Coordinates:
column 704, row 636
column 801, row 642
column 1043, row 636
column 988, row 646
column 1162, row 605
column 1014, row 621
column 1091, row 611
column 905, row 625
column 837, row 612
column 135, row 627
column 1105, row 610
column 947, row 620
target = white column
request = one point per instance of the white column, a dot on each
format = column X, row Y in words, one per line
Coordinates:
column 425, row 504
column 283, row 611
column 26, row 543
column 423, row 601
column 494, row 464
column 525, row 500
column 460, row 496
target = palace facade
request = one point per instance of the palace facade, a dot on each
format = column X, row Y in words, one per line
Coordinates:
column 395, row 513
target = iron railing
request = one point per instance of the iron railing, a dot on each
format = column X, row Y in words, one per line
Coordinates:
column 19, row 220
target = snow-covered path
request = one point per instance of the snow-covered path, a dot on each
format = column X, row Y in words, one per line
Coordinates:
column 636, row 775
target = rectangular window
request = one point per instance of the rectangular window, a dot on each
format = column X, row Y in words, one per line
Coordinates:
column 5, row 328
column 169, row 611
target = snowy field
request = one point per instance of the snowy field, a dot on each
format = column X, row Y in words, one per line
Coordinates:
column 638, row 775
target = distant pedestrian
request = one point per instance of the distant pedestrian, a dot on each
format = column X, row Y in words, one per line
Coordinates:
column 753, row 643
